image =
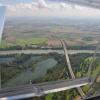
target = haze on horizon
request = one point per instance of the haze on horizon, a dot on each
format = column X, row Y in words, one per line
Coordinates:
column 48, row 8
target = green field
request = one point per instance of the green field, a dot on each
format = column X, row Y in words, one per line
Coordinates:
column 3, row 44
column 24, row 42
column 31, row 41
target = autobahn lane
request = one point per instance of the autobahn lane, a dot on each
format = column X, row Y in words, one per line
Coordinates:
column 26, row 91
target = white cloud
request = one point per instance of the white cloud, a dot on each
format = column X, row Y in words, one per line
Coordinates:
column 63, row 5
column 42, row 4
column 41, row 7
column 11, row 8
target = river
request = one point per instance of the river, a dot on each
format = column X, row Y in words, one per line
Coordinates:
column 9, row 52
column 40, row 68
column 39, row 71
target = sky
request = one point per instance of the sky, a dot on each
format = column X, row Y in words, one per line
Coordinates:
column 47, row 8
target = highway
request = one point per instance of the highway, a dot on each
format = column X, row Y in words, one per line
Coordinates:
column 31, row 90
column 70, row 68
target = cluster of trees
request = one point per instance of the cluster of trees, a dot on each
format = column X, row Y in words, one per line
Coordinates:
column 60, row 71
column 80, row 47
column 83, row 47
column 80, row 63
column 11, row 69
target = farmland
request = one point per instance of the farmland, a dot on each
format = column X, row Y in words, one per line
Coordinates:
column 36, row 34
column 40, row 32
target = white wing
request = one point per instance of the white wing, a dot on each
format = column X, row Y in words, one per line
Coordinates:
column 2, row 18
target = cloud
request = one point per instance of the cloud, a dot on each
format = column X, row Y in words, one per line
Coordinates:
column 39, row 4
column 23, row 6
column 41, row 7
column 63, row 5
column 10, row 8
column 42, row 4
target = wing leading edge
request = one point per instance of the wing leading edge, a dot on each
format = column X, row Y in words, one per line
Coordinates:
column 2, row 19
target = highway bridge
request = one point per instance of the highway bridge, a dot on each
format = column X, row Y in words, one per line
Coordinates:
column 27, row 91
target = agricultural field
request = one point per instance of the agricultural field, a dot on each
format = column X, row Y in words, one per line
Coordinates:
column 40, row 32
